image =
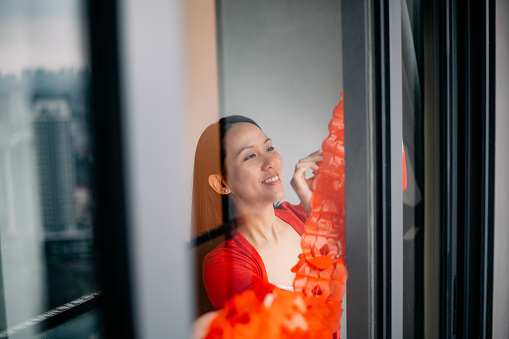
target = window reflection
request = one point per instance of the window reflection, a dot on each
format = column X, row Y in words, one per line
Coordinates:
column 279, row 64
column 46, row 246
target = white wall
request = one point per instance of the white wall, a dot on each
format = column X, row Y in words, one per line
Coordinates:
column 153, row 92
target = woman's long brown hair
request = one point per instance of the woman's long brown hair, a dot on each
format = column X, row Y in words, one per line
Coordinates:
column 212, row 213
column 209, row 227
column 207, row 204
column 211, row 210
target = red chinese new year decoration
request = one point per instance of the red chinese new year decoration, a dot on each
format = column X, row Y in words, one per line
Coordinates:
column 321, row 270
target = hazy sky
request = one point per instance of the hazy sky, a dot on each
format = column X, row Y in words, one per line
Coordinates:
column 42, row 33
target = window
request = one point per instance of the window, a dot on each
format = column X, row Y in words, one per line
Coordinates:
column 48, row 253
column 95, row 163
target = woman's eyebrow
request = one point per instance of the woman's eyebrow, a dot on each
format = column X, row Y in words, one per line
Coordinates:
column 251, row 146
column 243, row 149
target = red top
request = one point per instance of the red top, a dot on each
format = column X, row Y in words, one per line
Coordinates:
column 235, row 265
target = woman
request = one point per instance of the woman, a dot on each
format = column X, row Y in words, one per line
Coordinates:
column 246, row 178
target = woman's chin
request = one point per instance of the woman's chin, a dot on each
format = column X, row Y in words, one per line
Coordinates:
column 279, row 197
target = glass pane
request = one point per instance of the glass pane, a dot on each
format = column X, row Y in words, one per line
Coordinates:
column 280, row 64
column 413, row 199
column 46, row 198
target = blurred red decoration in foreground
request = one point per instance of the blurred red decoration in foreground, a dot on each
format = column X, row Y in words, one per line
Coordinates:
column 265, row 311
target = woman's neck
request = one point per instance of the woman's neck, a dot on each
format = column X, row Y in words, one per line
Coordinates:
column 259, row 226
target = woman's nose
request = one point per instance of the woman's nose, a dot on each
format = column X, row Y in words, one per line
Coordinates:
column 268, row 162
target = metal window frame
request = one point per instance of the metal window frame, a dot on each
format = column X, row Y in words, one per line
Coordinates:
column 373, row 130
column 372, row 59
column 467, row 61
column 111, row 229
column 360, row 236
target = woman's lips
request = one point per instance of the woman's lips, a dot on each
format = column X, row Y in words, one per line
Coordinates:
column 272, row 180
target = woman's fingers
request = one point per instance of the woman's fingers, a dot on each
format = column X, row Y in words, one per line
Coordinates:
column 301, row 185
column 309, row 162
column 314, row 157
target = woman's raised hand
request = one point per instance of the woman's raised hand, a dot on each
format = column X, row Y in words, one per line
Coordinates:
column 301, row 185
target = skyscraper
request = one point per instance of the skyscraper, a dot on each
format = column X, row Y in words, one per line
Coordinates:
column 55, row 163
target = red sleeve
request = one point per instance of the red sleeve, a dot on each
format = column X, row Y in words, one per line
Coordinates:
column 229, row 271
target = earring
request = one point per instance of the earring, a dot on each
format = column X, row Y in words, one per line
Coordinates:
column 225, row 190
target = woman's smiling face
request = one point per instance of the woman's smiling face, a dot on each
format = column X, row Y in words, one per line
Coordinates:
column 253, row 167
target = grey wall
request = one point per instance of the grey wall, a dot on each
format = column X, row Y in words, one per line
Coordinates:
column 501, row 250
column 280, row 64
